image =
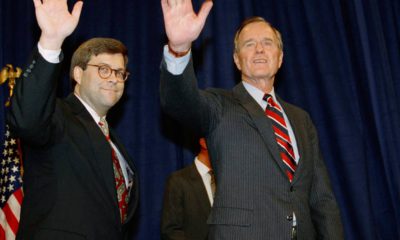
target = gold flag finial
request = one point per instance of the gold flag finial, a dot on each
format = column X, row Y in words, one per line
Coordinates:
column 8, row 73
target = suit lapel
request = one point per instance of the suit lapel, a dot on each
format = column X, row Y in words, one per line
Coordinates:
column 122, row 149
column 299, row 134
column 262, row 123
column 198, row 188
column 101, row 150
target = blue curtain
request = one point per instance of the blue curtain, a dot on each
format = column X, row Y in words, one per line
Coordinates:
column 341, row 64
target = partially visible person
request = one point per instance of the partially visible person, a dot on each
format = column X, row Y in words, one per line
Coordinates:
column 188, row 197
column 272, row 180
column 79, row 180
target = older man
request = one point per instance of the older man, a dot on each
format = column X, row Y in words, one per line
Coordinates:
column 272, row 180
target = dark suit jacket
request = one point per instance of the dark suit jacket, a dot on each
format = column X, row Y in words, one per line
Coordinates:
column 254, row 199
column 68, row 173
column 186, row 206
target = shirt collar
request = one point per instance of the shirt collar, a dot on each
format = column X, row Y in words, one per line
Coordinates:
column 201, row 167
column 92, row 112
column 258, row 95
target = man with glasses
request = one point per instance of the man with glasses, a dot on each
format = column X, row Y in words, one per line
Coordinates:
column 79, row 180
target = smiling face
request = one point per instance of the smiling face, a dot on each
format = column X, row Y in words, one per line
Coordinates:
column 258, row 55
column 100, row 94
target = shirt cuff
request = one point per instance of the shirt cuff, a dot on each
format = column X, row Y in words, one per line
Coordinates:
column 175, row 66
column 52, row 56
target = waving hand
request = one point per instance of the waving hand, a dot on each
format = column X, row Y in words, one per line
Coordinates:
column 55, row 21
column 182, row 24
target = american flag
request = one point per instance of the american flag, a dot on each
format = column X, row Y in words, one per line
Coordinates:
column 11, row 192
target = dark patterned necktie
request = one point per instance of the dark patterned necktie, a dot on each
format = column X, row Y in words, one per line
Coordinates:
column 274, row 113
column 122, row 191
column 212, row 182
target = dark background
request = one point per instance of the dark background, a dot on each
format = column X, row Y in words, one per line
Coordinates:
column 341, row 64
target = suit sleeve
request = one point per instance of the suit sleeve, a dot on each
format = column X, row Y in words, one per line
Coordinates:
column 181, row 99
column 34, row 99
column 172, row 212
column 324, row 209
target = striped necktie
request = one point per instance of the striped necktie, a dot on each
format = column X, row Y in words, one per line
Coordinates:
column 274, row 113
column 122, row 191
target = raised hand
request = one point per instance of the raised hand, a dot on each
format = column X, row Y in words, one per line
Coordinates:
column 182, row 24
column 55, row 21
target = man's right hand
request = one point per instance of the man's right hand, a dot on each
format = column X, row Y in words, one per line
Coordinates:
column 182, row 24
column 55, row 21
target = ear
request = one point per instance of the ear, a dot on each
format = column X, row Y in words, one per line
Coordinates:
column 280, row 59
column 78, row 72
column 237, row 62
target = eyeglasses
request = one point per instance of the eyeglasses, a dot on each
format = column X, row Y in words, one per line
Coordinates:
column 105, row 72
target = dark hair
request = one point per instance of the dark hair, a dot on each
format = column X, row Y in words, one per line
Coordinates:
column 253, row 20
column 94, row 47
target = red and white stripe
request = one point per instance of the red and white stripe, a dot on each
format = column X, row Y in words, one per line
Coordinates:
column 274, row 112
column 9, row 216
column 276, row 118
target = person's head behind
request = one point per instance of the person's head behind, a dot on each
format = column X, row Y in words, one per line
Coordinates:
column 98, row 68
column 203, row 144
column 203, row 154
column 258, row 50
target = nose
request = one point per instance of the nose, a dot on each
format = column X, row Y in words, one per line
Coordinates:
column 112, row 79
column 259, row 47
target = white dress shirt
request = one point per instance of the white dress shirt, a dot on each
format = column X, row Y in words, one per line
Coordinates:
column 206, row 177
column 258, row 95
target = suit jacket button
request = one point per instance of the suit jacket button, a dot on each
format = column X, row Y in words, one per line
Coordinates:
column 289, row 217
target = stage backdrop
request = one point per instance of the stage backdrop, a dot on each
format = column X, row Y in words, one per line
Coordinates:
column 341, row 63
